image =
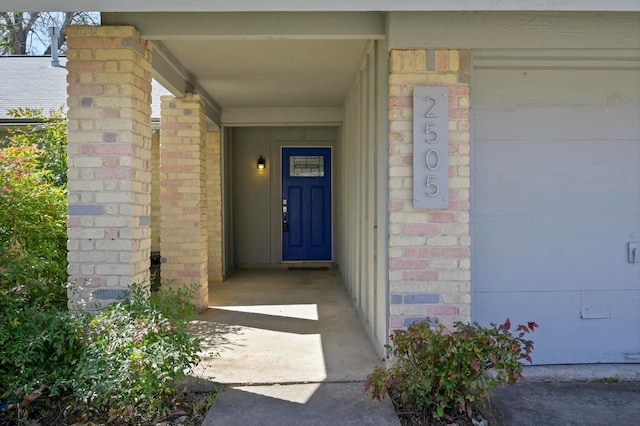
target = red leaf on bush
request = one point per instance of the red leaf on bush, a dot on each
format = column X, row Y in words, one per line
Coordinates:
column 532, row 325
column 506, row 326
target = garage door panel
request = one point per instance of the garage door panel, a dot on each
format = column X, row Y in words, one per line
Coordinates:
column 533, row 104
column 563, row 336
column 525, row 253
column 555, row 196
column 538, row 178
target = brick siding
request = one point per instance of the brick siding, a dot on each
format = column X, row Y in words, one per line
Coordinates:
column 109, row 135
column 429, row 250
column 183, row 195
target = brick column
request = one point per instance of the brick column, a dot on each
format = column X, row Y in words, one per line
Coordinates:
column 183, row 195
column 155, row 191
column 214, row 199
column 429, row 250
column 109, row 139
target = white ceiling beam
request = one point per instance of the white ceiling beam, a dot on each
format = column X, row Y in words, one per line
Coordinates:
column 253, row 26
column 168, row 71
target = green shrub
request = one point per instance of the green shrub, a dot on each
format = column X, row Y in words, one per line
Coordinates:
column 135, row 354
column 40, row 347
column 445, row 373
column 33, row 214
column 126, row 360
column 48, row 135
column 175, row 303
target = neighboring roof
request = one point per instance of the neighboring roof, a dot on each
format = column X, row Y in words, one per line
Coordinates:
column 31, row 82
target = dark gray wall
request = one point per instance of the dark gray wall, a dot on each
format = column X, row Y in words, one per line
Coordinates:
column 227, row 212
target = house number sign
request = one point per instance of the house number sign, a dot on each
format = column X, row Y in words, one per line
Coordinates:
column 430, row 147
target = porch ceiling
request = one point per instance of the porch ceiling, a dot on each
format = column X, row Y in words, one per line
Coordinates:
column 287, row 61
column 272, row 73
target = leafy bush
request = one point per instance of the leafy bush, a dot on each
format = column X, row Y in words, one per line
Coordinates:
column 135, row 354
column 33, row 214
column 445, row 373
column 128, row 357
column 40, row 347
column 49, row 135
column 124, row 361
column 40, row 341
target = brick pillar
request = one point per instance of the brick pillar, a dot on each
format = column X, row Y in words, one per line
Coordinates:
column 183, row 195
column 214, row 199
column 155, row 191
column 429, row 250
column 109, row 139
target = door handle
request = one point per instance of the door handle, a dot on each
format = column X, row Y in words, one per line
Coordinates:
column 285, row 223
column 632, row 252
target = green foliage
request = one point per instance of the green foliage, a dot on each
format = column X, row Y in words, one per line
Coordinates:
column 610, row 379
column 135, row 354
column 127, row 358
column 174, row 303
column 124, row 361
column 40, row 347
column 49, row 135
column 446, row 372
column 33, row 212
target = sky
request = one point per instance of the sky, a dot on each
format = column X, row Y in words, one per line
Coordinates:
column 38, row 42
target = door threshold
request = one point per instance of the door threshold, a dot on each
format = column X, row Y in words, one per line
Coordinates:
column 309, row 265
column 300, row 265
column 308, row 268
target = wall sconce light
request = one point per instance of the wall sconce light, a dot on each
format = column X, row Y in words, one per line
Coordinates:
column 262, row 163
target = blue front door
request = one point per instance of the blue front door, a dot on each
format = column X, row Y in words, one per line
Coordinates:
column 306, row 204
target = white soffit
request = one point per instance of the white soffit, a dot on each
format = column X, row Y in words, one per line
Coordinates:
column 272, row 73
column 320, row 5
column 258, row 60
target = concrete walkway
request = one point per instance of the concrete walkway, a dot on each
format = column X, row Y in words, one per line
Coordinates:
column 566, row 403
column 289, row 349
column 584, row 395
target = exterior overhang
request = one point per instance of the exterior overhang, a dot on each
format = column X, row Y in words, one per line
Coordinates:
column 324, row 5
column 267, row 68
column 253, row 26
column 172, row 75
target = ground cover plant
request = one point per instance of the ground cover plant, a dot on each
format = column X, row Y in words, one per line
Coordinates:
column 439, row 374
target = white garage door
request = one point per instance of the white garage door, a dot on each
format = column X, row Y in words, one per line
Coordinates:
column 556, row 200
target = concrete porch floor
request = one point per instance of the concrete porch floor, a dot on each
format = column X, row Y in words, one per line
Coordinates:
column 287, row 345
